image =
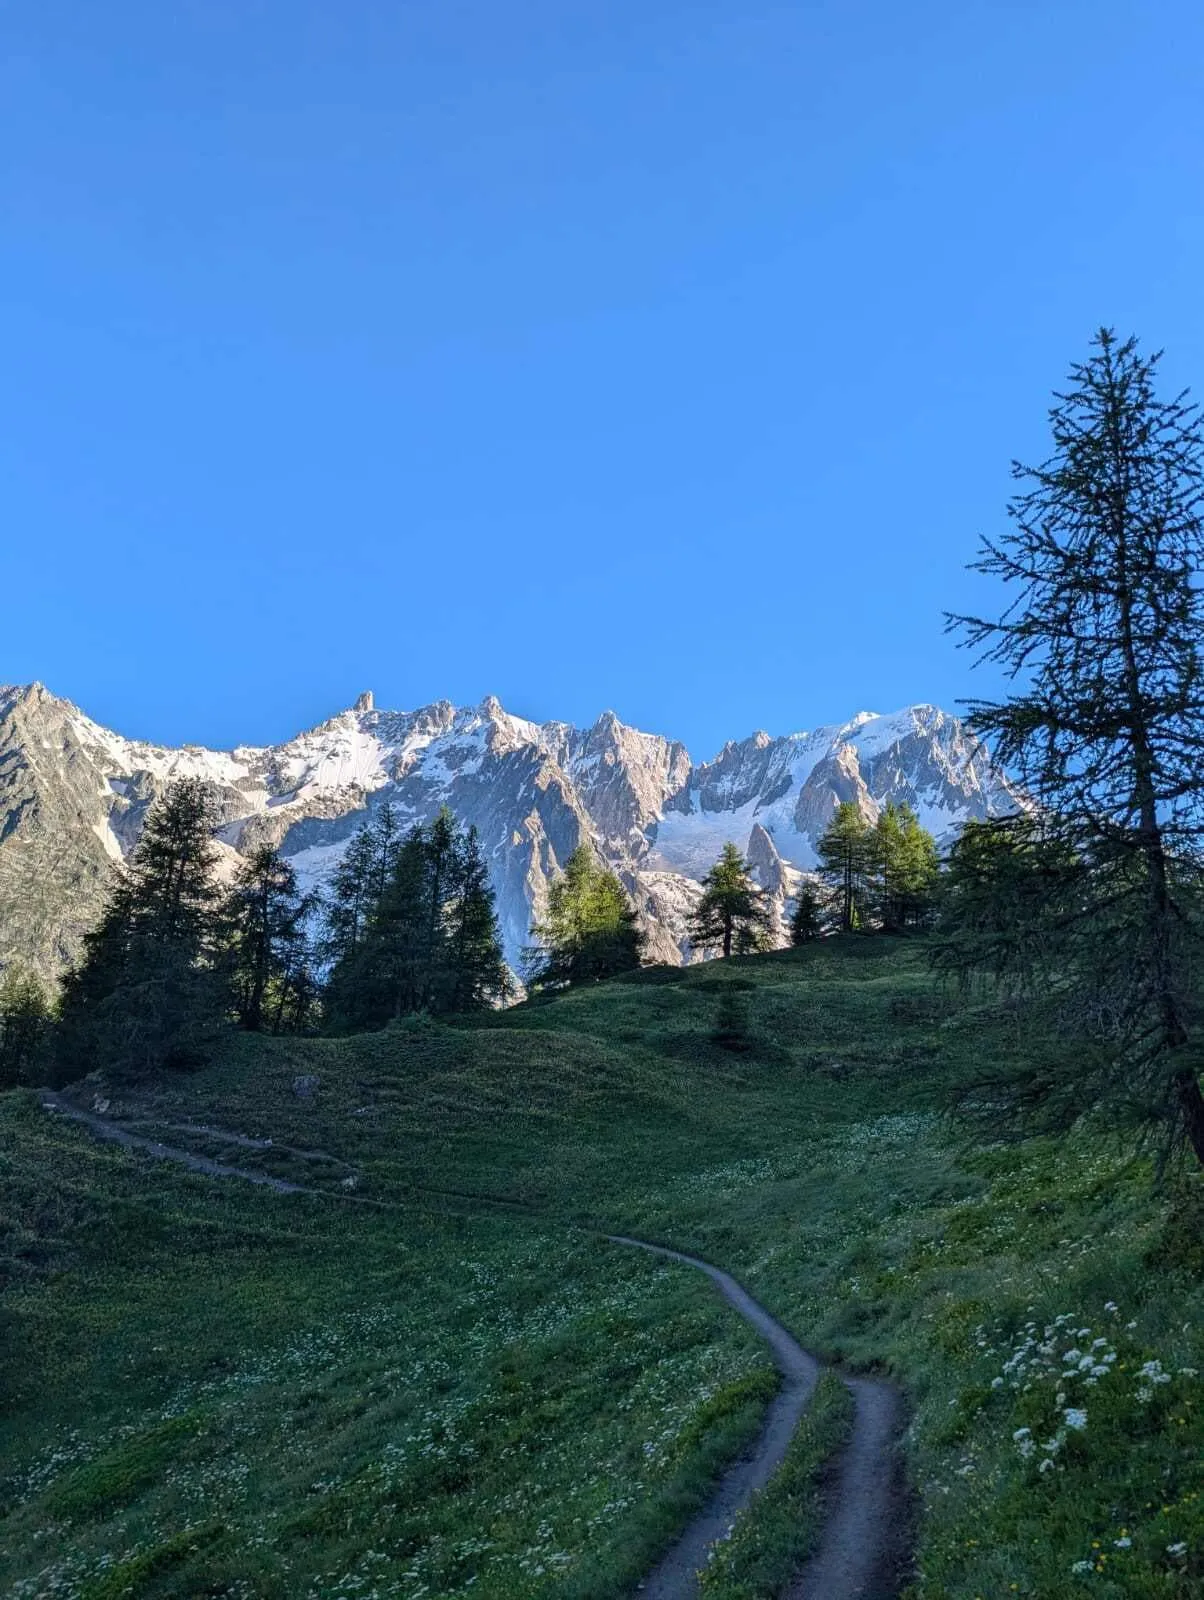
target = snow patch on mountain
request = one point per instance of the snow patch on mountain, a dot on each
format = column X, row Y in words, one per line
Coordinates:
column 534, row 791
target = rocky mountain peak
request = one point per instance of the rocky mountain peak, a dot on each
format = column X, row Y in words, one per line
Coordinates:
column 73, row 796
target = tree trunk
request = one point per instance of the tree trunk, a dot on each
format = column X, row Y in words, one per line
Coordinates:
column 1191, row 1107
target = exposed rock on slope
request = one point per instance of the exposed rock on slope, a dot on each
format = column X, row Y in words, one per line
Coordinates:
column 73, row 796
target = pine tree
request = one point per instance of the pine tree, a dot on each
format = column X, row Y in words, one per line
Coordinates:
column 24, row 1028
column 358, row 882
column 147, row 993
column 477, row 975
column 589, row 931
column 1106, row 629
column 431, row 942
column 732, row 915
column 844, row 863
column 806, row 922
column 266, row 945
column 903, row 867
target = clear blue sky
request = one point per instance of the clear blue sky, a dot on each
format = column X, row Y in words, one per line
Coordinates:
column 666, row 355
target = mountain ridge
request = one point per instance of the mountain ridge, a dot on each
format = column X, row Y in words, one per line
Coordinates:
column 73, row 794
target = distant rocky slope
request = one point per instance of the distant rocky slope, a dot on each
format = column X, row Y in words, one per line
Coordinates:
column 73, row 796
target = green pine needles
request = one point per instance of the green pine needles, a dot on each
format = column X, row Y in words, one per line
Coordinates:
column 732, row 917
column 880, row 875
column 412, row 926
column 1104, row 635
column 589, row 931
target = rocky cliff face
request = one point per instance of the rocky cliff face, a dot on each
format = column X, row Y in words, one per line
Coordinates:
column 73, row 796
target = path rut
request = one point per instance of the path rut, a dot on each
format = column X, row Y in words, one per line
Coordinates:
column 863, row 1546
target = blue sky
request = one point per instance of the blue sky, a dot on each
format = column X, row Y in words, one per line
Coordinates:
column 663, row 356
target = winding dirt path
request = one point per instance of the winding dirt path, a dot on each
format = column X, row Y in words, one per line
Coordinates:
column 863, row 1546
column 114, row 1133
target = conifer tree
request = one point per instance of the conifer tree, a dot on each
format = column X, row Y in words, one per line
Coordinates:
column 903, row 867
column 590, row 930
column 477, row 975
column 732, row 915
column 24, row 1028
column 806, row 922
column 358, row 883
column 844, row 853
column 266, row 945
column 1105, row 631
column 147, row 993
column 431, row 942
column 1008, row 893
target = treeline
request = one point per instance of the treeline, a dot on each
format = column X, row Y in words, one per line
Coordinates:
column 176, row 957
column 407, row 925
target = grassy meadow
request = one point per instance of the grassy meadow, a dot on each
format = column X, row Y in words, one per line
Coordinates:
column 433, row 1377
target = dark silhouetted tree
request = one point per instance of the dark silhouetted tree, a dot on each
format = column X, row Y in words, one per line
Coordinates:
column 430, row 943
column 24, row 1029
column 806, row 920
column 267, row 956
column 1104, row 630
column 148, row 993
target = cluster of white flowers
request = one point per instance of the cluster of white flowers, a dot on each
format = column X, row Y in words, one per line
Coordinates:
column 1037, row 1358
column 1151, row 1375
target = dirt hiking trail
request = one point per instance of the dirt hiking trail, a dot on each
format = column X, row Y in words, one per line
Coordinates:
column 863, row 1546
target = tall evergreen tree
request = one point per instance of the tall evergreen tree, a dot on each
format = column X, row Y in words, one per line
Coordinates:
column 24, row 1027
column 358, row 883
column 732, row 915
column 845, row 858
column 903, row 867
column 806, row 920
column 1106, row 630
column 477, row 975
column 589, row 931
column 266, row 946
column 431, row 942
column 147, row 993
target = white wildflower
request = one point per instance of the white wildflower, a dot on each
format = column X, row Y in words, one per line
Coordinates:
column 1076, row 1418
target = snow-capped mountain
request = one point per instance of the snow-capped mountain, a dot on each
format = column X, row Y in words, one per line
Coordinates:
column 73, row 796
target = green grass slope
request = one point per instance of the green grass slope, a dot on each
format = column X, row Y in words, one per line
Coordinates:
column 428, row 1378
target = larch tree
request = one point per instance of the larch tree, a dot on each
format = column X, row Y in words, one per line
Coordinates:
column 845, row 857
column 903, row 868
column 24, row 1028
column 806, row 920
column 589, row 930
column 430, row 943
column 732, row 916
column 1104, row 636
